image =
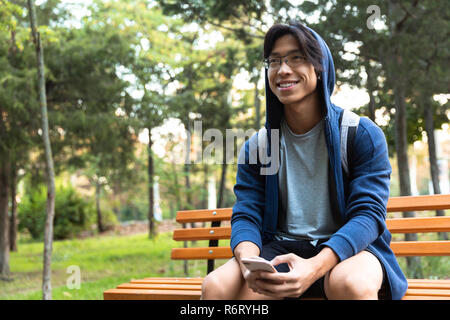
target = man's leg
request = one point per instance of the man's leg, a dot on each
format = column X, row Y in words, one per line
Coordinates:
column 358, row 277
column 227, row 283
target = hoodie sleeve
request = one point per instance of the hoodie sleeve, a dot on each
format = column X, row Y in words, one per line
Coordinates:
column 246, row 220
column 368, row 193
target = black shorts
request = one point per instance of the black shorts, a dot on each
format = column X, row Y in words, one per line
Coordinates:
column 306, row 250
column 301, row 248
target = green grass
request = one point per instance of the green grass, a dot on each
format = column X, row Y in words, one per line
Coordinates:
column 104, row 263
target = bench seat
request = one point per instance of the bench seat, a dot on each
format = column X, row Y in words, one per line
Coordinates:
column 147, row 289
column 190, row 288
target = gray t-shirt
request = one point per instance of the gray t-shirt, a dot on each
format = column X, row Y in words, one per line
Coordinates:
column 304, row 210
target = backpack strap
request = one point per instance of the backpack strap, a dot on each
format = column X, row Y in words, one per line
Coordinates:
column 349, row 122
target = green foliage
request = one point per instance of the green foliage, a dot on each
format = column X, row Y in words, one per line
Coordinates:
column 104, row 261
column 7, row 12
column 73, row 214
column 31, row 212
column 133, row 211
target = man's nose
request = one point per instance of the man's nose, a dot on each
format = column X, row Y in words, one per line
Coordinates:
column 284, row 68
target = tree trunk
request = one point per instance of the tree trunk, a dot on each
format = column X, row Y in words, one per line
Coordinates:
column 187, row 186
column 221, row 200
column 13, row 176
column 371, row 107
column 98, row 190
column 4, row 219
column 205, row 190
column 172, row 210
column 176, row 186
column 48, row 231
column 13, row 218
column 401, row 148
column 434, row 168
column 178, row 200
column 257, row 102
column 187, row 168
column 151, row 200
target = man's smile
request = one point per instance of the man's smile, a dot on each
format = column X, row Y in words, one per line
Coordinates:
column 287, row 84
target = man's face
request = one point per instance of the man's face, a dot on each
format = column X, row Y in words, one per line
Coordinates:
column 291, row 84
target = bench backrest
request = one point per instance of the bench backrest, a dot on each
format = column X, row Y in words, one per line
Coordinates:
column 215, row 232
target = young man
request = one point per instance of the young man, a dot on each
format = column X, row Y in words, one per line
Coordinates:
column 323, row 230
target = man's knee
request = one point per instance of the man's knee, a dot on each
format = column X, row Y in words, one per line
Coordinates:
column 350, row 286
column 223, row 283
column 212, row 288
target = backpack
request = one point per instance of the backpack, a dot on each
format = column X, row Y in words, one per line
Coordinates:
column 349, row 122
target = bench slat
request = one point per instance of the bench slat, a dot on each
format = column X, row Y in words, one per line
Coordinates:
column 406, row 297
column 162, row 294
column 430, row 285
column 447, row 281
column 168, row 281
column 160, row 286
column 395, row 204
column 206, row 215
column 421, row 248
column 400, row 248
column 201, row 253
column 412, row 283
column 142, row 284
column 144, row 294
column 428, row 292
column 417, row 225
column 202, row 234
column 396, row 225
column 419, row 203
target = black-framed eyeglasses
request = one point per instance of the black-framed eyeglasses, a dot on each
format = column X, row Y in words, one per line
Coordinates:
column 292, row 60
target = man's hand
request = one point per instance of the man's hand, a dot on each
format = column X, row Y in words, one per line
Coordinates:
column 245, row 249
column 251, row 277
column 303, row 273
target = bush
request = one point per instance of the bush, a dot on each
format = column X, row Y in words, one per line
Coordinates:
column 109, row 219
column 73, row 214
column 133, row 211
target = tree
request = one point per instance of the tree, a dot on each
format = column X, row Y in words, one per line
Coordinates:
column 431, row 77
column 7, row 25
column 89, row 103
column 48, row 233
column 244, row 21
column 20, row 128
column 151, row 69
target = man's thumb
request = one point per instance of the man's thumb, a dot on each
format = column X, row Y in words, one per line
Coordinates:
column 285, row 258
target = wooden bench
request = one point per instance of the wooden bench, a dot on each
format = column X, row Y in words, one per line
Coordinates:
column 190, row 288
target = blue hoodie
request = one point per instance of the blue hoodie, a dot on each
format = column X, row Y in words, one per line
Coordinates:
column 360, row 199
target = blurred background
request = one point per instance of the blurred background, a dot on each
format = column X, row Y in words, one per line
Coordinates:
column 125, row 83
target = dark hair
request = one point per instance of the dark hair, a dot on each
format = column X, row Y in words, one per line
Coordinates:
column 308, row 44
